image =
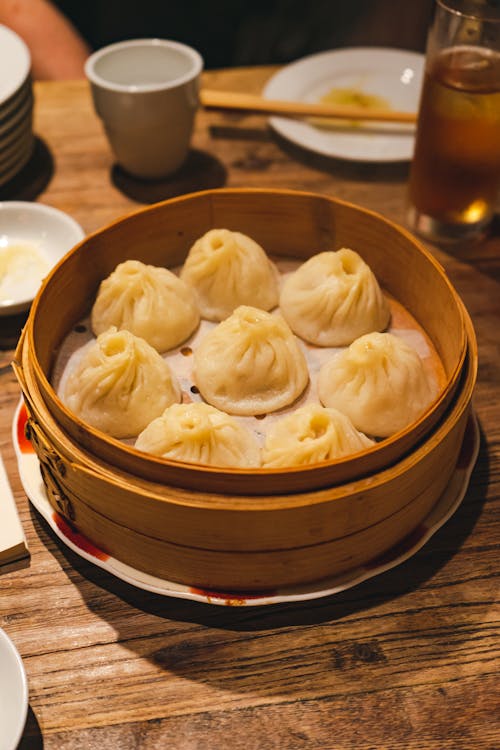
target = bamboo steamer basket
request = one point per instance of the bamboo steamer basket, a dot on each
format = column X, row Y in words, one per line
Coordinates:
column 255, row 530
column 244, row 543
column 286, row 223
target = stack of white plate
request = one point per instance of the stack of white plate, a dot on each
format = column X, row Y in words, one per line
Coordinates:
column 16, row 105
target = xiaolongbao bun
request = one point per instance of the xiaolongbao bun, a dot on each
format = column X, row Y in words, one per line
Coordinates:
column 309, row 435
column 379, row 382
column 227, row 269
column 251, row 363
column 333, row 298
column 199, row 433
column 149, row 301
column 120, row 384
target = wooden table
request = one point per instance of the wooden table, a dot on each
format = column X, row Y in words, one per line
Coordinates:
column 405, row 660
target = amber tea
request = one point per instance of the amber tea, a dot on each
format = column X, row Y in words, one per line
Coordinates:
column 456, row 166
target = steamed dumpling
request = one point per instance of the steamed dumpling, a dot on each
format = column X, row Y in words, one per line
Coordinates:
column 227, row 269
column 312, row 434
column 149, row 301
column 379, row 382
column 251, row 363
column 199, row 433
column 120, row 384
column 333, row 298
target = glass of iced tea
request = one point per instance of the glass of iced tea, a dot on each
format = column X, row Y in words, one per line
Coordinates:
column 455, row 171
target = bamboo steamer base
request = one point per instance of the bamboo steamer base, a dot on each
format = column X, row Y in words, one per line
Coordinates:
column 244, row 543
column 243, row 570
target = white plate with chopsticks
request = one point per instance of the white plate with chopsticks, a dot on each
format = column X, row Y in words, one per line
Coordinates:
column 13, row 694
column 373, row 76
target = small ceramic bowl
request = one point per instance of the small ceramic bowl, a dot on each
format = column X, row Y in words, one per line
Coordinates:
column 33, row 238
column 13, row 694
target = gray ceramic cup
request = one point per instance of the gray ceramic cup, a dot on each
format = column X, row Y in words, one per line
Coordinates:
column 146, row 93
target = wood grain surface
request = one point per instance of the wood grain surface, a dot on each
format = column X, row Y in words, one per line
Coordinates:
column 408, row 659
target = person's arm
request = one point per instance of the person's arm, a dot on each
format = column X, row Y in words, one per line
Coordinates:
column 57, row 50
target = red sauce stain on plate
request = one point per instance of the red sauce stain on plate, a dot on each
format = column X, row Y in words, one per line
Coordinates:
column 231, row 598
column 78, row 539
column 23, row 442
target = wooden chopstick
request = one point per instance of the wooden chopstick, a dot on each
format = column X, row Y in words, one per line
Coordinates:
column 252, row 103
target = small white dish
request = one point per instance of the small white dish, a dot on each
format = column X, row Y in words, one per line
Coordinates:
column 13, row 694
column 33, row 238
column 15, row 63
column 395, row 75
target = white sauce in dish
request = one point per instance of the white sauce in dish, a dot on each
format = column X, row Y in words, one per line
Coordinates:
column 22, row 268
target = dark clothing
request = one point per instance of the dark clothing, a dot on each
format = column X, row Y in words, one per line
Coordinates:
column 240, row 32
